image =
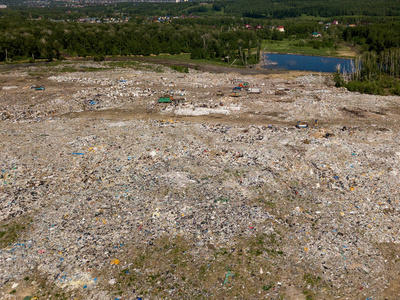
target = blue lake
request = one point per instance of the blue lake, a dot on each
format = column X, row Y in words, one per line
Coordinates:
column 305, row 63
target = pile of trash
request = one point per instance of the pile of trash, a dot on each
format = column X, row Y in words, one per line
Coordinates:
column 116, row 206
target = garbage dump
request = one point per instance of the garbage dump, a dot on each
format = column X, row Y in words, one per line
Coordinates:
column 106, row 194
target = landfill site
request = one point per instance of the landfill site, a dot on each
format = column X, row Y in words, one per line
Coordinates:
column 136, row 181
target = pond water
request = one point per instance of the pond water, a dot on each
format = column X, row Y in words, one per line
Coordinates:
column 305, row 63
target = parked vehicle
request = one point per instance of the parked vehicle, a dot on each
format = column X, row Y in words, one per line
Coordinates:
column 254, row 91
column 234, row 94
column 38, row 88
column 165, row 99
column 301, row 125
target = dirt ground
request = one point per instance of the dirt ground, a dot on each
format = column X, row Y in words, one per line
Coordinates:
column 105, row 193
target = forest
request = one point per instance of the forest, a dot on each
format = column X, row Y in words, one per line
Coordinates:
column 271, row 9
column 377, row 68
column 47, row 40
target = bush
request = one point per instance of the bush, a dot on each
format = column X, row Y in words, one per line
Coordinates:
column 181, row 69
column 99, row 58
column 395, row 90
column 365, row 87
column 337, row 78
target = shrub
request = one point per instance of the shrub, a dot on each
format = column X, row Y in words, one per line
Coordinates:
column 99, row 58
column 181, row 69
column 365, row 87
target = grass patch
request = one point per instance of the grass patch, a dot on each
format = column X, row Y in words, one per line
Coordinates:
column 221, row 200
column 47, row 289
column 171, row 267
column 132, row 64
column 11, row 231
column 306, row 47
column 67, row 68
column 71, row 69
column 263, row 244
column 180, row 69
column 269, row 203
column 267, row 287
column 309, row 295
column 185, row 58
column 312, row 279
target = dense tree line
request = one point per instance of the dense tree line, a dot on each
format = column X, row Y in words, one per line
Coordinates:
column 373, row 73
column 376, row 37
column 46, row 40
column 276, row 9
column 228, row 46
column 224, row 39
column 377, row 69
column 327, row 8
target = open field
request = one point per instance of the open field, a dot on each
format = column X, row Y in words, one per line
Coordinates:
column 105, row 194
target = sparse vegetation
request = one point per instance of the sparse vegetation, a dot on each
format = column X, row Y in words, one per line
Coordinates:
column 267, row 287
column 181, row 69
column 312, row 279
column 12, row 230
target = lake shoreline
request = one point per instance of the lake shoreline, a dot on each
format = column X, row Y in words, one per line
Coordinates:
column 316, row 55
column 299, row 62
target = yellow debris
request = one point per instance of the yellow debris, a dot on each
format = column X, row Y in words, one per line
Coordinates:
column 115, row 261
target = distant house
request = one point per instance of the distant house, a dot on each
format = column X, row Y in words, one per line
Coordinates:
column 258, row 27
column 335, row 22
column 248, row 26
column 93, row 20
column 280, row 28
column 316, row 34
column 89, row 20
